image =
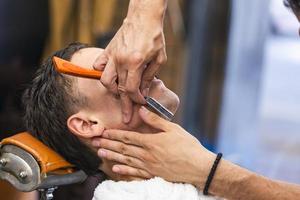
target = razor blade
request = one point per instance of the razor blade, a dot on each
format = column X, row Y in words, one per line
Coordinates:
column 158, row 108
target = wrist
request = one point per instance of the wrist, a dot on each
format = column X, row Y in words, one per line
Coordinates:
column 149, row 11
column 229, row 180
column 202, row 166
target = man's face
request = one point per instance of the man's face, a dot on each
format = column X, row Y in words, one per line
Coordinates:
column 105, row 107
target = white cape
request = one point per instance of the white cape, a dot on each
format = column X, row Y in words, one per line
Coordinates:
column 153, row 189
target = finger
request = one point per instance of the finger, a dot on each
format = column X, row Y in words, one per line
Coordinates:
column 133, row 86
column 133, row 81
column 151, row 71
column 130, row 171
column 147, row 78
column 122, row 148
column 126, row 102
column 101, row 62
column 127, row 107
column 109, row 77
column 117, row 157
column 154, row 120
column 128, row 137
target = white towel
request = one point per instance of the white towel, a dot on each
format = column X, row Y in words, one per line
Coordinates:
column 153, row 189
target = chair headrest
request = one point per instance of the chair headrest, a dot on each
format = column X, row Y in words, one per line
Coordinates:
column 49, row 160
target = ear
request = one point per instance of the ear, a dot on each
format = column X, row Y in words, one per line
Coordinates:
column 83, row 125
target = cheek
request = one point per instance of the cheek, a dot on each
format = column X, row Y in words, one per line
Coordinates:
column 108, row 110
column 111, row 113
column 102, row 103
column 136, row 120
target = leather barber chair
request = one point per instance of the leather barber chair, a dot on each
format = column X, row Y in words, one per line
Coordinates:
column 28, row 164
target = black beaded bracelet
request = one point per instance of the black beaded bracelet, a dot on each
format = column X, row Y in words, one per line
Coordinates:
column 212, row 173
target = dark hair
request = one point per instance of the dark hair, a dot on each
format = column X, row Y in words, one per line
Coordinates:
column 293, row 4
column 49, row 101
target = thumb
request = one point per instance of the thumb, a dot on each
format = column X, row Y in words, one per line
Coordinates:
column 154, row 120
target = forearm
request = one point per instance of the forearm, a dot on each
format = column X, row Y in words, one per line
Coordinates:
column 233, row 182
column 151, row 10
column 177, row 156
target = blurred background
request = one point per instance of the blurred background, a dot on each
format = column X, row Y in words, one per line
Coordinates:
column 235, row 65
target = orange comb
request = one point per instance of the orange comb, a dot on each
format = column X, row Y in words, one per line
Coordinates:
column 67, row 67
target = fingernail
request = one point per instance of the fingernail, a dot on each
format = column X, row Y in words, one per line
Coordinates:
column 126, row 118
column 102, row 153
column 116, row 169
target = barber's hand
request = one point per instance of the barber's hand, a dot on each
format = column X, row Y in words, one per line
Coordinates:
column 172, row 154
column 133, row 58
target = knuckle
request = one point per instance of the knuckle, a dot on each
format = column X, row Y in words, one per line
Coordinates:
column 155, row 163
column 137, row 58
column 108, row 83
column 146, row 142
column 126, row 139
column 145, row 157
column 131, row 90
column 121, row 89
column 152, row 166
column 161, row 60
column 128, row 160
column 121, row 57
column 140, row 173
column 146, row 174
column 104, row 81
column 123, row 149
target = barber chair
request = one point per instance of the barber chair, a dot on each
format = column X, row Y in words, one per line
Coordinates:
column 29, row 165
